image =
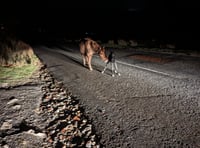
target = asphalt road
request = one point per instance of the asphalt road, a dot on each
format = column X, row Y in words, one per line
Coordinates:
column 154, row 103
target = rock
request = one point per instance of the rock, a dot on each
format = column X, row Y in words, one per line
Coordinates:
column 6, row 125
column 4, row 85
column 5, row 146
column 40, row 135
column 16, row 107
column 12, row 102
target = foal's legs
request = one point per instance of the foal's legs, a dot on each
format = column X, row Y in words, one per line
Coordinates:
column 105, row 68
column 116, row 69
column 112, row 69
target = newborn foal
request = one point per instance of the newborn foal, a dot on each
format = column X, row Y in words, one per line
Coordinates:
column 111, row 59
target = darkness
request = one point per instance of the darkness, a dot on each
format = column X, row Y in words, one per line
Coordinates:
column 171, row 21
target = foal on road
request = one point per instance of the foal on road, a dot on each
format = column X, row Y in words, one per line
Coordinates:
column 112, row 60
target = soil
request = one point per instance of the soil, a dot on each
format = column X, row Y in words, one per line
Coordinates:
column 152, row 103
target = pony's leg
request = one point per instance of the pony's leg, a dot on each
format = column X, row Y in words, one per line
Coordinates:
column 84, row 60
column 89, row 62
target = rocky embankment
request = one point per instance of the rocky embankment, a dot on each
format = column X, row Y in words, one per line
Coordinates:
column 44, row 114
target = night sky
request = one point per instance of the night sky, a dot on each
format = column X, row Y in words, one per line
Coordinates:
column 126, row 18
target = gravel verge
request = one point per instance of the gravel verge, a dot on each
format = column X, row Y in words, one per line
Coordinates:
column 43, row 113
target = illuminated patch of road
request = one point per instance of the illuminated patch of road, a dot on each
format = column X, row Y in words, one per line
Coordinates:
column 146, row 69
column 73, row 55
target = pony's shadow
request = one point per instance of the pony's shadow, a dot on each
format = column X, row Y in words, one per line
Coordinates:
column 74, row 60
column 80, row 63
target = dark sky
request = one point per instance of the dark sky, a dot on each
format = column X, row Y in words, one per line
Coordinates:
column 114, row 16
column 55, row 8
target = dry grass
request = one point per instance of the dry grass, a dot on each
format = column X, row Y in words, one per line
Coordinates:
column 15, row 53
column 17, row 61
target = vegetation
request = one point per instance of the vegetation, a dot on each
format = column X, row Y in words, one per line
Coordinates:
column 17, row 60
column 16, row 74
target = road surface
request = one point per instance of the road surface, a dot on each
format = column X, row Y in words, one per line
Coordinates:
column 154, row 103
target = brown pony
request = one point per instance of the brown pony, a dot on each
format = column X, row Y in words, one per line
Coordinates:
column 88, row 48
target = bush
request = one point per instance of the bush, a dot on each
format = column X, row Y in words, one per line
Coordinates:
column 14, row 52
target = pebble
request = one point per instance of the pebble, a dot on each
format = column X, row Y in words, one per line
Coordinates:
column 13, row 101
column 16, row 107
column 6, row 125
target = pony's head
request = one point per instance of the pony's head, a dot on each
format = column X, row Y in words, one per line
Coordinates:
column 102, row 54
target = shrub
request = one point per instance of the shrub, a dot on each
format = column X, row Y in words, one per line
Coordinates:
column 15, row 52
